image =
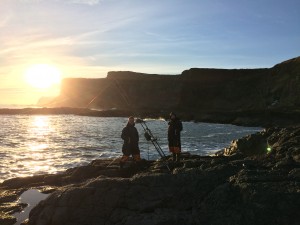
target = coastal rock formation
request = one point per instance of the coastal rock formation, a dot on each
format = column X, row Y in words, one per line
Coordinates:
column 261, row 187
column 274, row 141
column 240, row 96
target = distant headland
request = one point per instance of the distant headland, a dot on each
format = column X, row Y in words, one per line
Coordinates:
column 265, row 97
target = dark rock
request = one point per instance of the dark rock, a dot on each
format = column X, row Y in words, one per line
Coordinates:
column 7, row 219
column 254, row 144
column 253, row 198
column 23, row 181
column 295, row 174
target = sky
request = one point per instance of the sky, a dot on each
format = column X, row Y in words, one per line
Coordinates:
column 88, row 38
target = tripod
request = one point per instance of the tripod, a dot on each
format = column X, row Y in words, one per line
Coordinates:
column 149, row 137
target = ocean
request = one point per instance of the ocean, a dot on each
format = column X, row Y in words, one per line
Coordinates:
column 38, row 144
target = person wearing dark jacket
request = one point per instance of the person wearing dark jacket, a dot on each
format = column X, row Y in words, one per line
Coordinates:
column 174, row 129
column 130, row 136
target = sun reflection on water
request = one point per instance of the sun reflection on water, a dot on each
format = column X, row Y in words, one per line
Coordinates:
column 38, row 132
column 37, row 147
column 36, row 157
column 41, row 121
column 40, row 126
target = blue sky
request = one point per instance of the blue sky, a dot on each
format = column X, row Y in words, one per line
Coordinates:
column 88, row 38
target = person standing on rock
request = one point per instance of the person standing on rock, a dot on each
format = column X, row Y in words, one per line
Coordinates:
column 174, row 142
column 130, row 136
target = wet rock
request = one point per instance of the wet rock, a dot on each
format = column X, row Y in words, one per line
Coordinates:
column 254, row 144
column 287, row 162
column 146, row 198
column 6, row 219
column 23, row 182
column 295, row 174
column 253, row 197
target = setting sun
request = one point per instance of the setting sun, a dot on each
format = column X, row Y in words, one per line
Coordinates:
column 42, row 76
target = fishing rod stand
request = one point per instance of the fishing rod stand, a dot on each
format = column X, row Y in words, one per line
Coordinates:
column 150, row 137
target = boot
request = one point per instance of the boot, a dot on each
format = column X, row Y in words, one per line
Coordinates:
column 174, row 157
column 177, row 157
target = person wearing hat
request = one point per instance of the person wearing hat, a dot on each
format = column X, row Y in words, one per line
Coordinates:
column 130, row 136
column 174, row 142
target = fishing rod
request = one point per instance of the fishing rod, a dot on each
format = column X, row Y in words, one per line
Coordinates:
column 150, row 137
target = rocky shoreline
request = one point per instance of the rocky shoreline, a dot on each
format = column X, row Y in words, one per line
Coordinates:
column 266, row 118
column 256, row 180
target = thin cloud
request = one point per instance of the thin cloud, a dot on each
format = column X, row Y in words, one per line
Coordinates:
column 34, row 45
column 88, row 2
column 4, row 20
column 41, row 41
column 30, row 1
column 14, row 90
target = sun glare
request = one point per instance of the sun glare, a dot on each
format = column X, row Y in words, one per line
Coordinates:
column 42, row 76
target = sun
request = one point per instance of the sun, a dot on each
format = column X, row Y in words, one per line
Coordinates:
column 42, row 76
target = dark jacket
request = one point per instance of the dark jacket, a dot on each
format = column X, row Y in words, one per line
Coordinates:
column 175, row 127
column 130, row 136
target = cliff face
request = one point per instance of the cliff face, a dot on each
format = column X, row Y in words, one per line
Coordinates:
column 122, row 90
column 196, row 90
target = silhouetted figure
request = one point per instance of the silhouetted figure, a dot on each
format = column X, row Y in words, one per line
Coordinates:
column 131, row 142
column 175, row 127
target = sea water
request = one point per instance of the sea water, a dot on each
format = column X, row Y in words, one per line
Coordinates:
column 38, row 144
column 30, row 197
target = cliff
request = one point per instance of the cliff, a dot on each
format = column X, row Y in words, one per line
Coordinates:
column 230, row 95
column 122, row 90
